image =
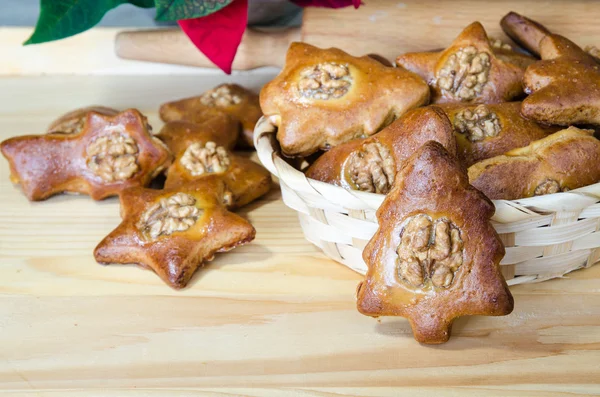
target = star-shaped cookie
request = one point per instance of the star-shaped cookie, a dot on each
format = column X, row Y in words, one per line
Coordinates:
column 484, row 131
column 221, row 129
column 435, row 256
column 233, row 100
column 200, row 152
column 109, row 154
column 564, row 86
column 566, row 160
column 469, row 71
column 325, row 97
column 174, row 231
column 74, row 121
column 370, row 164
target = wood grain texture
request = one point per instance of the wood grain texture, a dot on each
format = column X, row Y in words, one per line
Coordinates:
column 392, row 27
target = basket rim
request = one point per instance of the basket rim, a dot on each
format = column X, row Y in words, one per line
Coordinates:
column 265, row 143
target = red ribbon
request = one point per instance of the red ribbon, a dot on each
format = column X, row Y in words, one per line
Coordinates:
column 219, row 34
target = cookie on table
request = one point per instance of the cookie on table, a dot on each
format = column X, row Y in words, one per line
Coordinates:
column 174, row 231
column 233, row 100
column 220, row 129
column 524, row 31
column 325, row 97
column 484, row 131
column 566, row 160
column 435, row 256
column 202, row 151
column 469, row 71
column 564, row 86
column 74, row 121
column 370, row 164
column 109, row 154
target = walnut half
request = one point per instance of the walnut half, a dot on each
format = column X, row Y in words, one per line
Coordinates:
column 371, row 168
column 113, row 157
column 430, row 252
column 465, row 73
column 220, row 96
column 176, row 213
column 477, row 124
column 549, row 186
column 201, row 159
column 324, row 81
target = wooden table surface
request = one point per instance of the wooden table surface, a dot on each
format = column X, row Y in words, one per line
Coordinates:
column 273, row 318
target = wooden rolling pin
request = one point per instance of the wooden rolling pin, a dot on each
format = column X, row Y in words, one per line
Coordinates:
column 384, row 27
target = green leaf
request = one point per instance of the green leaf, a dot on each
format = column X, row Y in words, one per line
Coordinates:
column 174, row 10
column 63, row 18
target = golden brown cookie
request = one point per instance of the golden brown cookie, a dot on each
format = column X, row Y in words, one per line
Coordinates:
column 73, row 121
column 468, row 71
column 564, row 86
column 325, row 97
column 371, row 164
column 232, row 99
column 222, row 130
column 110, row 154
column 245, row 180
column 524, row 31
column 484, row 131
column 568, row 159
column 174, row 231
column 435, row 256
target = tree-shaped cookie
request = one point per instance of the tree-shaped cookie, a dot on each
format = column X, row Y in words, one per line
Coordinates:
column 564, row 86
column 435, row 256
column 325, row 97
column 109, row 154
column 370, row 164
column 467, row 71
column 174, row 231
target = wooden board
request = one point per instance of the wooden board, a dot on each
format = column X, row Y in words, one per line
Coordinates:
column 273, row 318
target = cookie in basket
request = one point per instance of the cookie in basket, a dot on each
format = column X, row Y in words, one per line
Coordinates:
column 370, row 164
column 524, row 31
column 566, row 160
column 469, row 71
column 564, row 86
column 174, row 231
column 231, row 99
column 109, row 154
column 245, row 180
column 325, row 97
column 484, row 131
column 74, row 121
column 435, row 256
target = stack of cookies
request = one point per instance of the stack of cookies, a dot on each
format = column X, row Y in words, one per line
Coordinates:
column 441, row 135
column 176, row 227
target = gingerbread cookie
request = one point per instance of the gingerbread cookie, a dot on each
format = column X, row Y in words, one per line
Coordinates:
column 234, row 100
column 174, row 231
column 109, row 154
column 469, row 71
column 371, row 164
column 484, row 131
column 564, row 86
column 325, row 97
column 73, row 122
column 435, row 256
column 568, row 159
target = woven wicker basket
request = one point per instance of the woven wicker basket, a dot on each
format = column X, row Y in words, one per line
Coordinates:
column 545, row 237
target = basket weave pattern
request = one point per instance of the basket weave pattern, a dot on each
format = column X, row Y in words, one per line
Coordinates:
column 545, row 236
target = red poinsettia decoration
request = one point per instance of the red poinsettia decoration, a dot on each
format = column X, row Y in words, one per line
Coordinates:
column 219, row 34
